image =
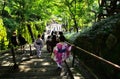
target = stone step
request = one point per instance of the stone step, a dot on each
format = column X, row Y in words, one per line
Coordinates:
column 30, row 74
column 29, row 67
column 44, row 65
column 38, row 63
column 36, row 58
column 36, row 77
column 39, row 69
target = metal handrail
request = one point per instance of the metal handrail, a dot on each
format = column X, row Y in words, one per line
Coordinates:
column 97, row 57
column 68, row 70
column 114, row 66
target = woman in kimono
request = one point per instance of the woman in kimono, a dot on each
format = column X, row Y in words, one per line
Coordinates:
column 38, row 44
column 61, row 52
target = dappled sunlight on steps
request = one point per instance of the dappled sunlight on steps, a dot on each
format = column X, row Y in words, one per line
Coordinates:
column 30, row 66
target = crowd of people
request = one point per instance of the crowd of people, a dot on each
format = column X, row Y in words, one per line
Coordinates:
column 55, row 43
column 57, row 46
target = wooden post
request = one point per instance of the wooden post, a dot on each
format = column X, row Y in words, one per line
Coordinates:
column 30, row 50
column 14, row 59
column 73, row 61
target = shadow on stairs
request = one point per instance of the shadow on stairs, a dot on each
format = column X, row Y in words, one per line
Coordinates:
column 30, row 67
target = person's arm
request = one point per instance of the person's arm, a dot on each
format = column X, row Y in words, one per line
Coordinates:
column 69, row 48
column 42, row 43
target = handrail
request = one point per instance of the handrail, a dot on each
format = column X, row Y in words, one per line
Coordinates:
column 97, row 57
column 69, row 71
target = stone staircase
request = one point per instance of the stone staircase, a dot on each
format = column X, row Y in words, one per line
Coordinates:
column 29, row 67
column 32, row 67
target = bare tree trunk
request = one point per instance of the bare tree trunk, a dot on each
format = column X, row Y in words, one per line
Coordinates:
column 75, row 25
column 30, row 31
column 75, row 22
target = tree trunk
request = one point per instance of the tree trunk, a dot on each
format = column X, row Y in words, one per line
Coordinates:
column 75, row 25
column 30, row 31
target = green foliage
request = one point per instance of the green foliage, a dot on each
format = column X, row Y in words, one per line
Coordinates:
column 17, row 13
column 2, row 30
column 101, row 39
column 10, row 24
column 3, row 36
column 71, row 36
column 80, row 11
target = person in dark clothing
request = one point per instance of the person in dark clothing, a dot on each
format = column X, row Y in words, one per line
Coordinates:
column 43, row 36
column 21, row 40
column 48, row 43
column 61, row 35
column 14, row 39
column 53, row 42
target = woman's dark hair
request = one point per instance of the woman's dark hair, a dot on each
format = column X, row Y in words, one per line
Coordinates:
column 39, row 35
column 62, row 38
column 60, row 33
column 54, row 37
column 48, row 37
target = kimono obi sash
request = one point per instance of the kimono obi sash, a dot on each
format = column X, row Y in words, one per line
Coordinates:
column 61, row 50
